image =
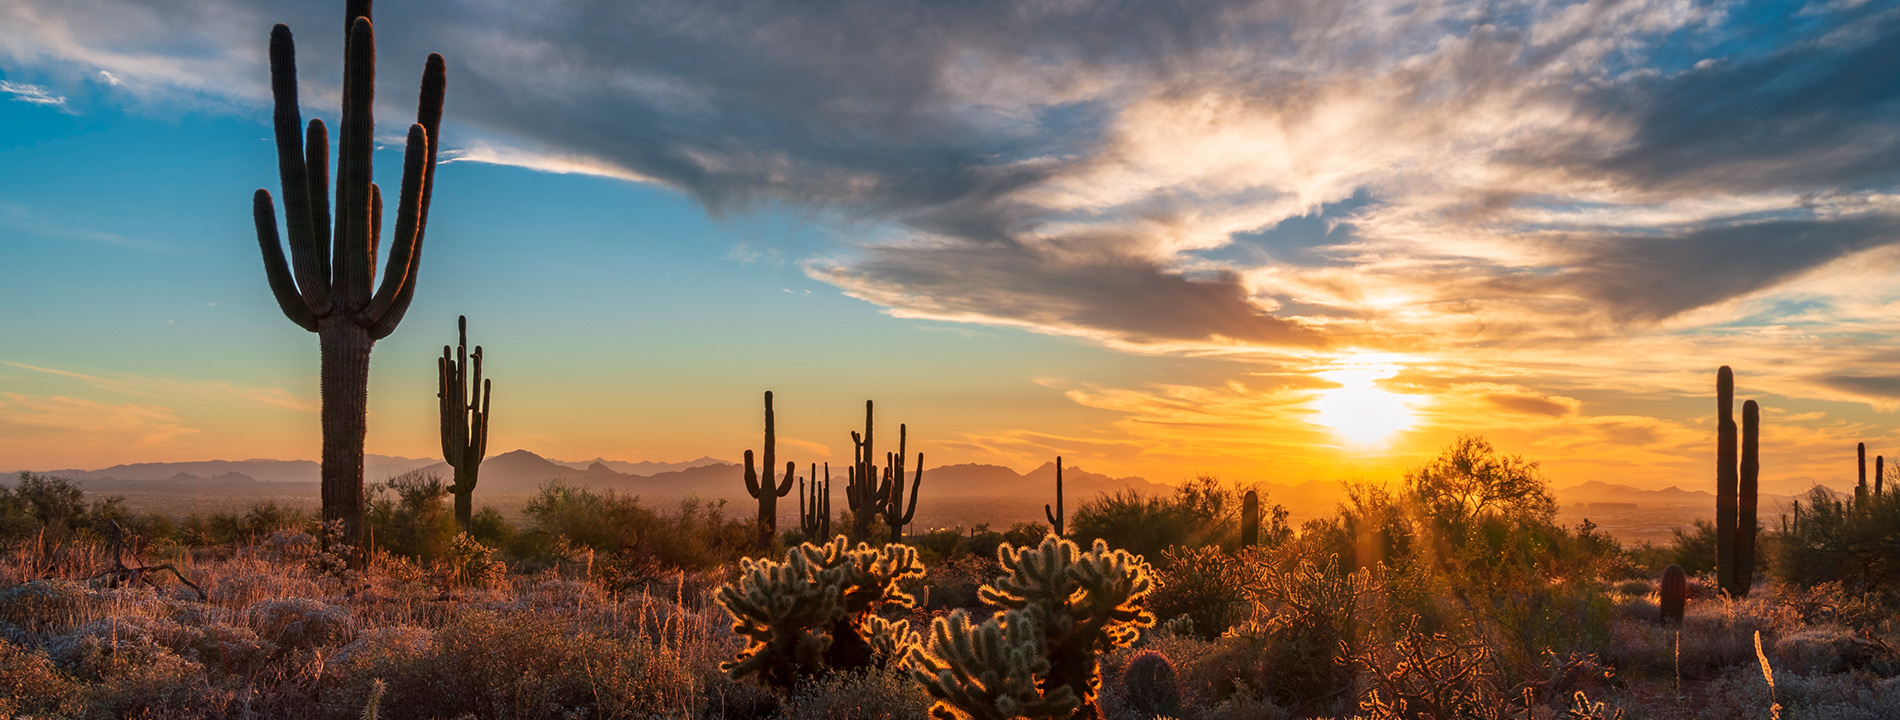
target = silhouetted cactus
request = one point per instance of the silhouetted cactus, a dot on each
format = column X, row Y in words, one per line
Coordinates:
column 1250, row 519
column 1061, row 604
column 464, row 397
column 815, row 612
column 770, row 490
column 1860, row 489
column 326, row 288
column 1747, row 522
column 1055, row 515
column 1727, row 476
column 861, row 490
column 1880, row 472
column 815, row 522
column 1151, row 686
column 1675, row 593
column 896, row 515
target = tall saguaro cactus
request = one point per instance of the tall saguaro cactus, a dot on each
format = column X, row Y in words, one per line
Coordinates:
column 1880, row 472
column 1727, row 476
column 327, row 286
column 896, row 515
column 1746, row 521
column 464, row 400
column 768, row 491
column 1055, row 515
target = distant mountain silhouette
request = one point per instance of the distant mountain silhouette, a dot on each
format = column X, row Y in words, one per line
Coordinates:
column 375, row 467
column 644, row 467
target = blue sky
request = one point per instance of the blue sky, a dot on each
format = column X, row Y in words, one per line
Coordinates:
column 1153, row 238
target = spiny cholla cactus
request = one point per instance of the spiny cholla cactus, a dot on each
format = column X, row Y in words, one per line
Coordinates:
column 1063, row 605
column 814, row 612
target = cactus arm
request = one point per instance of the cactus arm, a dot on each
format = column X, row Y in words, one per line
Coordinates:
column 281, row 285
column 478, row 435
column 916, row 480
column 429, row 116
column 305, row 247
column 375, row 226
column 751, row 477
column 1726, row 478
column 316, row 150
column 355, row 144
column 785, row 488
column 445, row 369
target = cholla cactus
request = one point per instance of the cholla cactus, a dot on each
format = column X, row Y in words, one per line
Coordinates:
column 1077, row 605
column 991, row 671
column 814, row 612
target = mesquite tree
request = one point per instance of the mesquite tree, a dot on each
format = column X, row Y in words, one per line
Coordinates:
column 328, row 286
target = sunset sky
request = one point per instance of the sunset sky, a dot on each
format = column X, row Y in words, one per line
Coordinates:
column 1286, row 241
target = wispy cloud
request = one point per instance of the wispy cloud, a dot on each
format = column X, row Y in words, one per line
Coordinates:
column 33, row 94
column 21, row 217
column 172, row 388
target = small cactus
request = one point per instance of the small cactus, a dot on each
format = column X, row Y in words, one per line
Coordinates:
column 815, row 522
column 1860, row 489
column 1250, row 520
column 1880, row 472
column 770, row 490
column 1675, row 593
column 1150, row 686
column 1055, row 515
column 464, row 418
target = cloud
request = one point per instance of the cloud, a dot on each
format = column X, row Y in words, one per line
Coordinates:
column 32, row 94
column 89, row 423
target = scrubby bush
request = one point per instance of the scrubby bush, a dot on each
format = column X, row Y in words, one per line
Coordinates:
column 1210, row 587
column 1840, row 539
column 31, row 687
column 626, row 536
column 409, row 516
column 1202, row 511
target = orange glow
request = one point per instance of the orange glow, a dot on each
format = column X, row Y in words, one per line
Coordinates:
column 1358, row 411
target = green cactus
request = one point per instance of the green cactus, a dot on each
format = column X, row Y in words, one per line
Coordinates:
column 814, row 613
column 1055, row 515
column 1150, row 686
column 326, row 287
column 815, row 522
column 464, row 418
column 1747, row 522
column 1727, row 476
column 769, row 491
column 1076, row 605
column 1250, row 519
column 1880, row 472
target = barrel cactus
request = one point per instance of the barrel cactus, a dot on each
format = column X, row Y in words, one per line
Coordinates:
column 1675, row 593
column 1150, row 686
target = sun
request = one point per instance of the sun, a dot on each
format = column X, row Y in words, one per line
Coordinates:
column 1358, row 411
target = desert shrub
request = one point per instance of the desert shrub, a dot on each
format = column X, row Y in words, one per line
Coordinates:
column 55, row 509
column 491, row 528
column 300, row 623
column 1693, row 547
column 1470, row 480
column 409, row 515
column 1315, row 624
column 1430, row 675
column 31, row 687
column 1842, row 540
column 626, row 534
column 1202, row 511
column 1212, row 588
column 162, row 685
column 47, row 605
column 471, row 563
column 1371, row 528
column 259, row 521
column 861, row 695
column 512, row 665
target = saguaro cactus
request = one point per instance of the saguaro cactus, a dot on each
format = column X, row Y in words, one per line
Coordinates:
column 464, row 399
column 1727, row 476
column 1747, row 524
column 770, row 490
column 815, row 522
column 1860, row 489
column 1250, row 519
column 1880, row 472
column 326, row 288
column 896, row 515
column 861, row 489
column 1675, row 593
column 1055, row 515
